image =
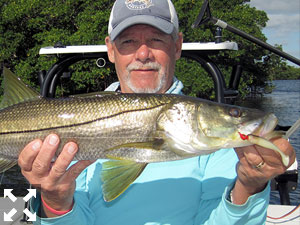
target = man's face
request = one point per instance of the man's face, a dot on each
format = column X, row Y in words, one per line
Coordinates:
column 144, row 58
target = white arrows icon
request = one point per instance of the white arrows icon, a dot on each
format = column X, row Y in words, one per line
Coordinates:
column 8, row 216
column 31, row 192
column 31, row 217
column 7, row 193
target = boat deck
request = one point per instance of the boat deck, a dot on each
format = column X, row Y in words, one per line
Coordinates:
column 278, row 211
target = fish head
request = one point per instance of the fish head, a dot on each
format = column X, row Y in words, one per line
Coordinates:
column 197, row 127
column 226, row 126
column 221, row 125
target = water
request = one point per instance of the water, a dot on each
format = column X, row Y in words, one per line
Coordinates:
column 284, row 102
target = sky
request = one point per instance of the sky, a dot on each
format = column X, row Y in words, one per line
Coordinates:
column 283, row 26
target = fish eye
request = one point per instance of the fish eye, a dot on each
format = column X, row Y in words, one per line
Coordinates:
column 235, row 112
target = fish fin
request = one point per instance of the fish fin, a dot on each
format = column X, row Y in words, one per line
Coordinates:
column 15, row 91
column 6, row 164
column 267, row 144
column 117, row 175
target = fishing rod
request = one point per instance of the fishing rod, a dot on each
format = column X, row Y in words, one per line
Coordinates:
column 209, row 18
column 292, row 129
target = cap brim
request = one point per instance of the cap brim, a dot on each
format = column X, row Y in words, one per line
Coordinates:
column 161, row 24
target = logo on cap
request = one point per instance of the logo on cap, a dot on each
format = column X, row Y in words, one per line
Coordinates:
column 138, row 4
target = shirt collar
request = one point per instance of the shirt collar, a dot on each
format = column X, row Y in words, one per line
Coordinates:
column 176, row 87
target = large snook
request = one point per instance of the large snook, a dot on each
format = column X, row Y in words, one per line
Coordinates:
column 130, row 129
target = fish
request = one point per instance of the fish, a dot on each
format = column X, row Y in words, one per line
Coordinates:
column 130, row 130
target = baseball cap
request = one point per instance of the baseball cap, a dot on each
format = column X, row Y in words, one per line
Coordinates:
column 157, row 13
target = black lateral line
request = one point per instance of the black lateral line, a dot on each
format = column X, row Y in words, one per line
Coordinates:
column 79, row 124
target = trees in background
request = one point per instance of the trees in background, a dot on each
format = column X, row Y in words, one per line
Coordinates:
column 28, row 25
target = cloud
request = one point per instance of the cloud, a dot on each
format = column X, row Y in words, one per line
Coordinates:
column 283, row 26
column 280, row 13
column 277, row 6
column 284, row 23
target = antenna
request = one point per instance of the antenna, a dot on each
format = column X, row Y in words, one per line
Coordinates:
column 205, row 11
column 201, row 19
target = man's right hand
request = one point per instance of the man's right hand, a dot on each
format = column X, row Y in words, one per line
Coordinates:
column 57, row 181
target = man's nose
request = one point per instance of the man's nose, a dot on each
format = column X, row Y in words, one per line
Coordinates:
column 144, row 53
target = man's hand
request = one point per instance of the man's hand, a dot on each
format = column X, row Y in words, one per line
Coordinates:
column 56, row 179
column 258, row 165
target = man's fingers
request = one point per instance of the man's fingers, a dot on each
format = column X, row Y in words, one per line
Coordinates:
column 250, row 155
column 41, row 164
column 273, row 158
column 253, row 157
column 28, row 155
column 63, row 160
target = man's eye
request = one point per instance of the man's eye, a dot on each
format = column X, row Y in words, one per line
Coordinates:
column 157, row 40
column 127, row 41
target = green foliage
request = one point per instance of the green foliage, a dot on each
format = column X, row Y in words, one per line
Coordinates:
column 28, row 25
column 197, row 83
column 287, row 72
column 239, row 15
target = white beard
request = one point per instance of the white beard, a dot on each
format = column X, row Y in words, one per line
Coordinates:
column 150, row 65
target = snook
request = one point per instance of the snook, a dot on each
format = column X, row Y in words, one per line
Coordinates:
column 130, row 129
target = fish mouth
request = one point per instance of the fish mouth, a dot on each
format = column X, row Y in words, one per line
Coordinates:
column 268, row 125
column 260, row 127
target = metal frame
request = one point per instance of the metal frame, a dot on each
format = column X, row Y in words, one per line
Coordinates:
column 49, row 80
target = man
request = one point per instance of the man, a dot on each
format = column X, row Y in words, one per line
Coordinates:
column 226, row 187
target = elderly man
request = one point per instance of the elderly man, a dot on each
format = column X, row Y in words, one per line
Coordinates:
column 226, row 187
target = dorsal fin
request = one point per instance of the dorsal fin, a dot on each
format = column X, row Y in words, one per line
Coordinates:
column 15, row 91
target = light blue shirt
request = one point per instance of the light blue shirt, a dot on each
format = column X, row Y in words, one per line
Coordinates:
column 184, row 192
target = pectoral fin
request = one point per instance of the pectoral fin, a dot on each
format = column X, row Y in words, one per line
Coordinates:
column 267, row 144
column 117, row 175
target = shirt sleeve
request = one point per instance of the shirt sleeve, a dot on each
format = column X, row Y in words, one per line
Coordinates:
column 80, row 213
column 218, row 180
column 222, row 211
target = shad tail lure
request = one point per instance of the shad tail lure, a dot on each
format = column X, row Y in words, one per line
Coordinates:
column 131, row 130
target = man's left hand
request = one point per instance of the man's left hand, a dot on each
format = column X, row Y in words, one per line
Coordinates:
column 258, row 165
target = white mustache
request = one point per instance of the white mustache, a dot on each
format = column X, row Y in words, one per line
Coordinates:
column 141, row 66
